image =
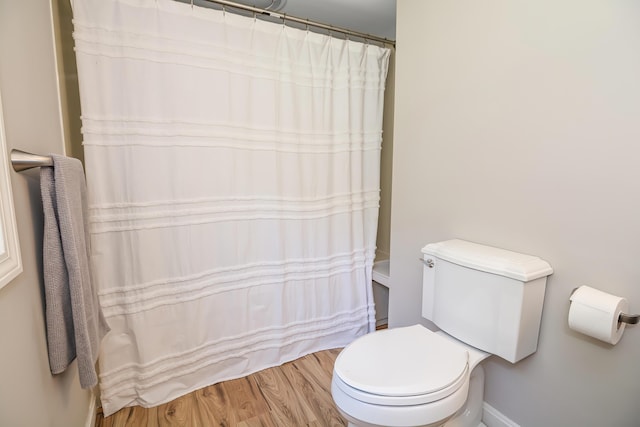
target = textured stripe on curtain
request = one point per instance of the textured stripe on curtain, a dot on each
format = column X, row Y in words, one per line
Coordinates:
column 233, row 174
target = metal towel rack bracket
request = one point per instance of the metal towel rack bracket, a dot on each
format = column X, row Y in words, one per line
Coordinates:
column 21, row 160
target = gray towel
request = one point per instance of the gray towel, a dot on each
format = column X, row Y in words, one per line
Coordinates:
column 75, row 324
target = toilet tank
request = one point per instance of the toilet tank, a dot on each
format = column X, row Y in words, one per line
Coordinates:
column 487, row 297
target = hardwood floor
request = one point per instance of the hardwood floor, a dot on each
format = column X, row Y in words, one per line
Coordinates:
column 297, row 393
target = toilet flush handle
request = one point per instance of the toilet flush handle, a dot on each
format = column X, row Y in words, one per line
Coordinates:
column 429, row 262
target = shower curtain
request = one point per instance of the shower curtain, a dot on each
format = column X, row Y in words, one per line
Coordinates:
column 233, row 175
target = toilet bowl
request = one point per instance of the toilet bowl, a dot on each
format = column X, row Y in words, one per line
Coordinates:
column 404, row 377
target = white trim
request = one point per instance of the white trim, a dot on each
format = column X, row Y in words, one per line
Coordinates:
column 91, row 414
column 10, row 258
column 494, row 418
column 380, row 272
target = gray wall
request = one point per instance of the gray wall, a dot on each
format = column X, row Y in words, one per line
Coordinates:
column 29, row 394
column 383, row 243
column 517, row 125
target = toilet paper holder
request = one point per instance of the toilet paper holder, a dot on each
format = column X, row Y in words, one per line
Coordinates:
column 629, row 319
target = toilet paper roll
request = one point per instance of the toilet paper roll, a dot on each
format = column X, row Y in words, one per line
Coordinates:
column 595, row 313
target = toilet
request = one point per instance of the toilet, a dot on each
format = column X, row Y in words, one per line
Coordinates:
column 485, row 301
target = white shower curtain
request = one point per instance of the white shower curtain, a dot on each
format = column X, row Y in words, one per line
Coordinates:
column 233, row 173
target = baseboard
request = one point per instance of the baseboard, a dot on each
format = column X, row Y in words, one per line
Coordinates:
column 494, row 418
column 91, row 415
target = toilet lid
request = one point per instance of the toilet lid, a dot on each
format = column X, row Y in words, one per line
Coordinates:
column 403, row 362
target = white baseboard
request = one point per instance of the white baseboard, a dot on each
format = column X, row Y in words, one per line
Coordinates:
column 91, row 414
column 494, row 418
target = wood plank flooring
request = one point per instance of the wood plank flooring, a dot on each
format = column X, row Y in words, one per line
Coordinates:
column 297, row 393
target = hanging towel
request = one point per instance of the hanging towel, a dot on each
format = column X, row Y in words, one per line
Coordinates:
column 75, row 324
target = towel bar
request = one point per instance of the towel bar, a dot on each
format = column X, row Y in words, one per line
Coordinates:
column 21, row 160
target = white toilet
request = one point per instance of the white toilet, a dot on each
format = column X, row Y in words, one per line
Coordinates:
column 485, row 301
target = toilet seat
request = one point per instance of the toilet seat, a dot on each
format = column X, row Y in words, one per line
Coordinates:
column 402, row 366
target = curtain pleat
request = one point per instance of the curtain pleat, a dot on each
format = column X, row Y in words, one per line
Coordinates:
column 233, row 175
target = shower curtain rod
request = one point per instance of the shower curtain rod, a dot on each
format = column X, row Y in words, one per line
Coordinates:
column 307, row 22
